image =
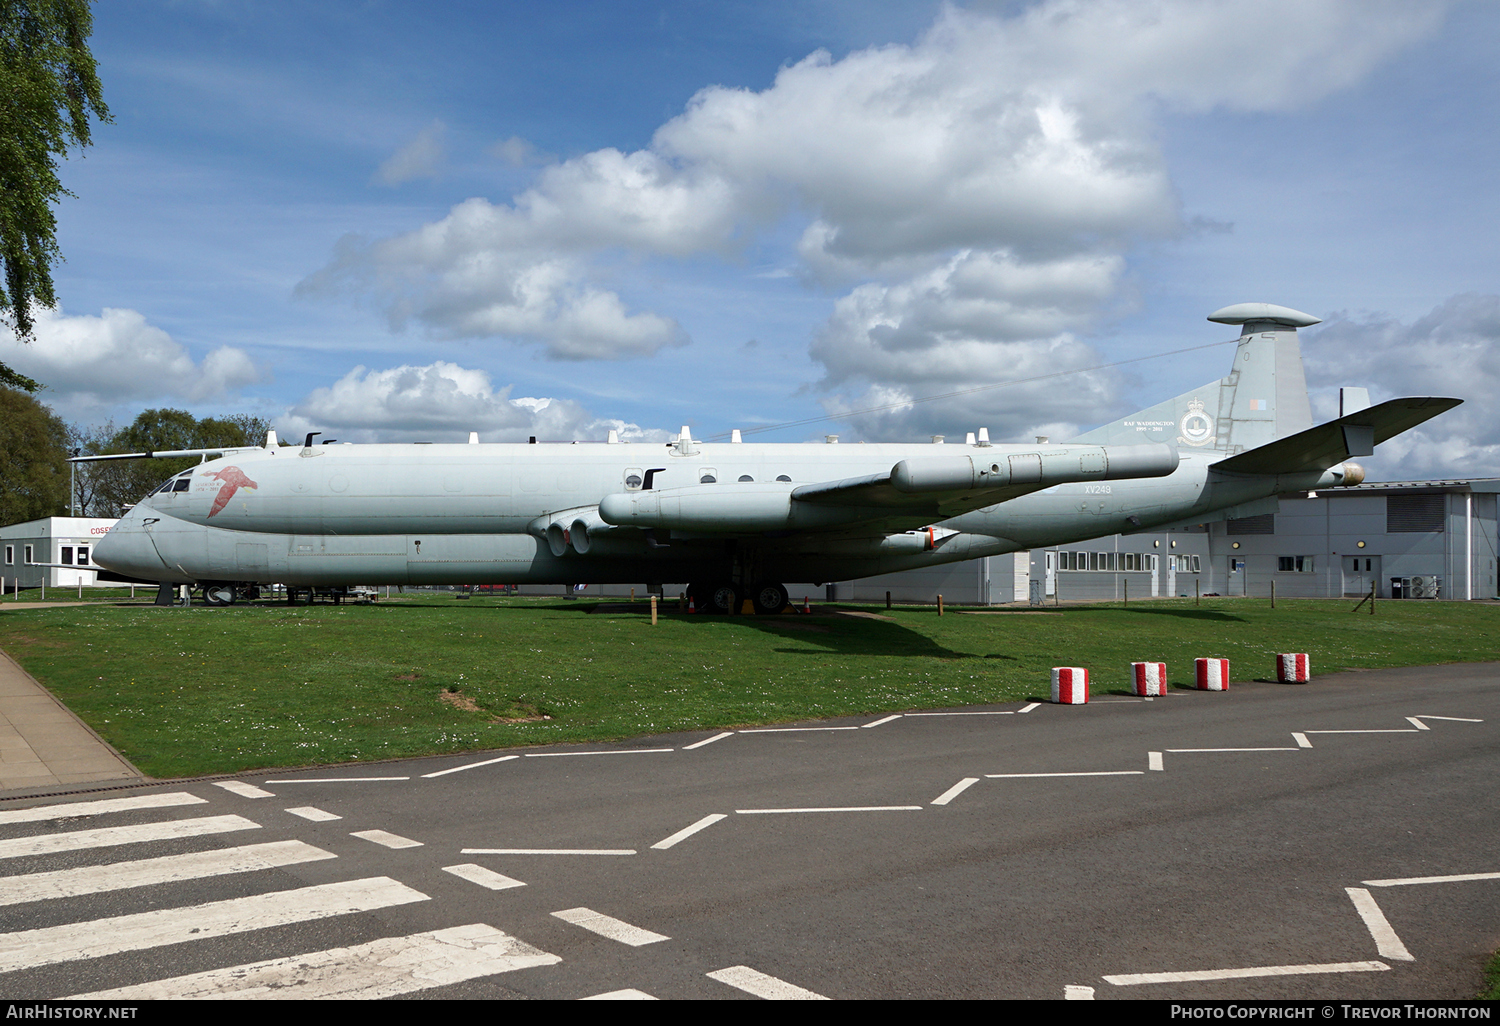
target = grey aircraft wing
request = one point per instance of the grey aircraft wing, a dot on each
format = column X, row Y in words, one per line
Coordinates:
column 1321, row 447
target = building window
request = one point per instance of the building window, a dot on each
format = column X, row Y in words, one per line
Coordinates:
column 67, row 555
column 27, row 552
column 83, row 555
column 1414, row 514
column 10, row 555
column 1294, row 564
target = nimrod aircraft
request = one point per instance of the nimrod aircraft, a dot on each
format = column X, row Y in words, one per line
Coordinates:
column 735, row 519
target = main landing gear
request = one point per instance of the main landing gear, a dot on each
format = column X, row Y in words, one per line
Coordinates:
column 724, row 598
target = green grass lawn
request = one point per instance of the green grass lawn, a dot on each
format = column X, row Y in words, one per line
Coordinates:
column 192, row 691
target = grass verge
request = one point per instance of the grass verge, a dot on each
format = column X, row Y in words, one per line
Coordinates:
column 192, row 691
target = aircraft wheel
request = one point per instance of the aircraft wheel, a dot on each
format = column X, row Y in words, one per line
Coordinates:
column 769, row 597
column 724, row 599
column 218, row 594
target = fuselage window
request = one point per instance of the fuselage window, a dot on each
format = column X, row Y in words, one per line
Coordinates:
column 708, row 476
column 746, row 477
column 782, row 477
column 633, row 478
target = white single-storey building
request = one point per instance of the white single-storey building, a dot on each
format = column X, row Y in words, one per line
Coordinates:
column 54, row 549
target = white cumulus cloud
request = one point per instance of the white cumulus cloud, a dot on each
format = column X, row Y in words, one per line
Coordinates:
column 975, row 190
column 119, row 356
column 442, row 402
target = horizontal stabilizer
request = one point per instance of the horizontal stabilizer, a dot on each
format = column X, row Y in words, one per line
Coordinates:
column 1326, row 445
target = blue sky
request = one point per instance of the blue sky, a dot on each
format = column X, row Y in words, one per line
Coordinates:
column 396, row 221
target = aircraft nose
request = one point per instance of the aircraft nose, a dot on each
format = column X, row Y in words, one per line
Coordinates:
column 127, row 549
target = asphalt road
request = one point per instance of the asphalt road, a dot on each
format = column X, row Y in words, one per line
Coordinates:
column 1013, row 854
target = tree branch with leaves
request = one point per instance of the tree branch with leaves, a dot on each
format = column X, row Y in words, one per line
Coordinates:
column 49, row 92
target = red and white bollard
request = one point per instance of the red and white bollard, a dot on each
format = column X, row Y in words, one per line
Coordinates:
column 1070, row 685
column 1293, row 668
column 1150, row 679
column 1212, row 674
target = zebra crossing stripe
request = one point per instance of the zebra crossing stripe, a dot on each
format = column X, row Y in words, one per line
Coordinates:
column 104, row 837
column 100, row 807
column 94, row 938
column 383, row 968
column 68, row 883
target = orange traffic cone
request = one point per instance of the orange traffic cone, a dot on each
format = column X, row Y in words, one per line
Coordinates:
column 691, row 609
column 806, row 606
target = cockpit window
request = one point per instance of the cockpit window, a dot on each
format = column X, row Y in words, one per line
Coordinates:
column 181, row 484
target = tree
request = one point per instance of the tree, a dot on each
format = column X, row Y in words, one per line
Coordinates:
column 48, row 92
column 33, row 460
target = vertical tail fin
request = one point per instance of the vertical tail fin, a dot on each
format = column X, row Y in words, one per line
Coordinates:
column 1261, row 399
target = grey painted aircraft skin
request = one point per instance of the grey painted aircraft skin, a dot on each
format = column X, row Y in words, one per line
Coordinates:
column 735, row 519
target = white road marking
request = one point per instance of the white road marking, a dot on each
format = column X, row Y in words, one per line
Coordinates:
column 101, row 807
column 628, row 994
column 483, row 877
column 331, row 780
column 67, row 883
column 1403, row 881
column 627, row 751
column 877, row 723
column 980, row 712
column 689, row 831
column 607, row 926
column 316, row 815
column 1153, row 762
column 1417, row 723
column 546, row 851
column 1029, row 707
column 1102, row 773
column 1391, row 730
column 1136, row 979
column 382, row 968
column 1455, row 719
column 742, row 977
column 1386, row 941
column 386, row 838
column 708, row 741
column 243, row 789
column 1301, row 739
column 469, row 766
column 104, row 837
column 1073, row 992
column 846, row 808
column 98, row 937
column 789, row 730
column 954, row 791
column 1177, row 750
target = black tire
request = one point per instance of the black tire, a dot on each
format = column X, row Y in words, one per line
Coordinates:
column 769, row 598
column 724, row 599
column 218, row 594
